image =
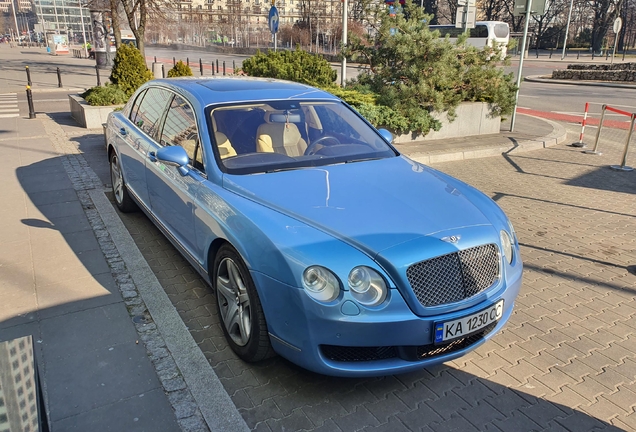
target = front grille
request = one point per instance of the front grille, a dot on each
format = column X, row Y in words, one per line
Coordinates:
column 454, row 277
column 408, row 353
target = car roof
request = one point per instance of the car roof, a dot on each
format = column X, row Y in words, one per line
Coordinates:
column 224, row 89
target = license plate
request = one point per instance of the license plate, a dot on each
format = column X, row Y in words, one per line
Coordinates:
column 447, row 331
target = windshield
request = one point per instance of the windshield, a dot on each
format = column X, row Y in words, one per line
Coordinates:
column 280, row 135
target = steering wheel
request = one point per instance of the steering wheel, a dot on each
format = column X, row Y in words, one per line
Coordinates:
column 312, row 148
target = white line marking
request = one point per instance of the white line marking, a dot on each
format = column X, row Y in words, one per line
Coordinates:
column 9, row 110
column 9, row 115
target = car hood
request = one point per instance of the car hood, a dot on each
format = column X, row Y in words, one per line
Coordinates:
column 373, row 205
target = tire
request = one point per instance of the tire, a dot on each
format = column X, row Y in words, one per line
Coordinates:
column 120, row 191
column 239, row 307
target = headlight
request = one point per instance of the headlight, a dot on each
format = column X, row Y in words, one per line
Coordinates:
column 513, row 234
column 367, row 286
column 321, row 284
column 506, row 244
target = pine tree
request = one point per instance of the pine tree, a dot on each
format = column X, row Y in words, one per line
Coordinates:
column 180, row 69
column 129, row 69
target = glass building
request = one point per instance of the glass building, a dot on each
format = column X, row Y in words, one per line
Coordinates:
column 64, row 16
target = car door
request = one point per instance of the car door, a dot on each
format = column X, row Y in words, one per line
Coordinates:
column 140, row 130
column 172, row 195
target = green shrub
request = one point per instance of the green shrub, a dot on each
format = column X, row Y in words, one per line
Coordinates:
column 297, row 65
column 129, row 69
column 104, row 96
column 180, row 69
column 382, row 116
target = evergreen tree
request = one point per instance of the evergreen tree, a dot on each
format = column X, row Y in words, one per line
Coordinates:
column 180, row 69
column 414, row 71
column 129, row 69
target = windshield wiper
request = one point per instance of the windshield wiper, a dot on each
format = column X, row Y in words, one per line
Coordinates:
column 364, row 159
column 282, row 169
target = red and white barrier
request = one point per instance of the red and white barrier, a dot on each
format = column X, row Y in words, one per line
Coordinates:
column 580, row 143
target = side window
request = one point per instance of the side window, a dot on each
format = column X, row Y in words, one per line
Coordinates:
column 151, row 110
column 134, row 111
column 180, row 129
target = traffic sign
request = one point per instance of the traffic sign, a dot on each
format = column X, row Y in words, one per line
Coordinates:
column 618, row 23
column 538, row 7
column 465, row 17
column 273, row 20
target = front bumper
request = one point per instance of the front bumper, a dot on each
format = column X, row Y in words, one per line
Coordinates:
column 345, row 339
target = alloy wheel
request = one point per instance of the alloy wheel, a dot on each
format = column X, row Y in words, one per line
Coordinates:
column 234, row 302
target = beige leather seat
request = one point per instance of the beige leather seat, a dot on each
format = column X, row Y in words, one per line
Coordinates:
column 225, row 147
column 283, row 138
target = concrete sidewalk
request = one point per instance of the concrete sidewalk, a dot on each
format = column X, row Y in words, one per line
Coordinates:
column 63, row 281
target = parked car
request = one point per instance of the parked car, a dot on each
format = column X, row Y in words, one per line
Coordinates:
column 321, row 241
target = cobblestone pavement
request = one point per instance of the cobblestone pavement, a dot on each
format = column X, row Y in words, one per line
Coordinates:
column 565, row 361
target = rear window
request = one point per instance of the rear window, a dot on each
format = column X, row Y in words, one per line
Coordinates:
column 501, row 30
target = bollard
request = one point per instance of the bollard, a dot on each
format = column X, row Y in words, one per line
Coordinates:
column 578, row 54
column 155, row 59
column 537, row 52
column 99, row 80
column 551, row 53
column 217, row 65
column 223, row 67
column 606, row 53
column 580, row 143
column 163, row 71
column 622, row 166
column 28, row 76
column 174, row 62
column 598, row 134
column 188, row 61
column 201, row 66
column 212, row 68
column 59, row 78
column 233, row 67
column 30, row 102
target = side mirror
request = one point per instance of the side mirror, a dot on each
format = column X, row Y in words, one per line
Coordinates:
column 388, row 136
column 175, row 156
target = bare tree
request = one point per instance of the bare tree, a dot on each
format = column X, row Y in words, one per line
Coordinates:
column 604, row 13
column 543, row 21
column 139, row 11
column 493, row 10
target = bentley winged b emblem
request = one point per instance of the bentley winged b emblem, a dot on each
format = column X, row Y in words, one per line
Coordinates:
column 451, row 239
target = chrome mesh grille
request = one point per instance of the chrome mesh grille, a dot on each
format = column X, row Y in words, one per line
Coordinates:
column 454, row 277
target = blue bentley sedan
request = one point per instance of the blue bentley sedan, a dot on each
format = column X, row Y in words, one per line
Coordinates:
column 322, row 242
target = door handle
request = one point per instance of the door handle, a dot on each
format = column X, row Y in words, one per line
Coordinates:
column 152, row 156
column 123, row 132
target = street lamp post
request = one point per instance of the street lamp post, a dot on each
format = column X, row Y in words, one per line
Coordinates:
column 15, row 19
column 567, row 29
column 83, row 29
column 343, row 72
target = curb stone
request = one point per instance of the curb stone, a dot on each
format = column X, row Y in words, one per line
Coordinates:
column 548, row 80
column 557, row 136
